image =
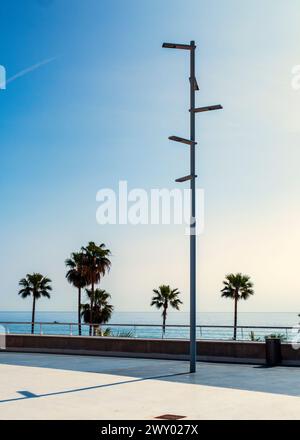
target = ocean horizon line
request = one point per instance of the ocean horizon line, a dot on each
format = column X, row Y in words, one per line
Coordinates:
column 143, row 311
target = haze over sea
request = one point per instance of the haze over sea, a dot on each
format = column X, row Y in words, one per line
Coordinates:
column 136, row 324
column 205, row 318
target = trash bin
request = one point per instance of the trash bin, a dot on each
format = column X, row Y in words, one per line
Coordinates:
column 273, row 351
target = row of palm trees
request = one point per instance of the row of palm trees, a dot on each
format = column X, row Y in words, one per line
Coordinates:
column 85, row 270
column 236, row 287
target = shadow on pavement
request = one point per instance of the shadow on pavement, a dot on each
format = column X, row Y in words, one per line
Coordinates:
column 277, row 380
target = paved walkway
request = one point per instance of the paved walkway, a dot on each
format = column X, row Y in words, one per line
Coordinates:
column 43, row 386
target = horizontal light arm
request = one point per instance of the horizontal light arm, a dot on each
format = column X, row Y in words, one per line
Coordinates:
column 206, row 109
column 182, row 140
column 185, row 178
column 177, row 46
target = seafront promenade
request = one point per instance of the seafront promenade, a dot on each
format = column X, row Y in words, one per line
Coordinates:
column 45, row 386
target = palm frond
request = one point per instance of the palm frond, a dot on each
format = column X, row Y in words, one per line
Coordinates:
column 35, row 285
column 102, row 310
column 165, row 297
column 237, row 286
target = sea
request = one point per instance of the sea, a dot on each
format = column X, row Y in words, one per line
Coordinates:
column 211, row 325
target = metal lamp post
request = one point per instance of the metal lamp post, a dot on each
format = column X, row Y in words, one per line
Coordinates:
column 192, row 178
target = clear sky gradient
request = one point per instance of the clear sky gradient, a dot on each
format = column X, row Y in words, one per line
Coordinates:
column 101, row 110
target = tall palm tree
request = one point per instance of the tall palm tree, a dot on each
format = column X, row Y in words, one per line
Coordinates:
column 237, row 287
column 37, row 286
column 102, row 310
column 164, row 298
column 77, row 275
column 97, row 263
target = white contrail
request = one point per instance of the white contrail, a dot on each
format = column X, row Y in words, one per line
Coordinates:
column 29, row 69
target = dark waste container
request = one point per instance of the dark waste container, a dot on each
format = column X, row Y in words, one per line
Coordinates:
column 273, row 351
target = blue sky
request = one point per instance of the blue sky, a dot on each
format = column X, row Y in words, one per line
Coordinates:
column 102, row 110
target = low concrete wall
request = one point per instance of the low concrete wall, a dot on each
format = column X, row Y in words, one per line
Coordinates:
column 290, row 356
column 223, row 351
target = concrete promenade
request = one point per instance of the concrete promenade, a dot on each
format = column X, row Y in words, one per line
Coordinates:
column 45, row 386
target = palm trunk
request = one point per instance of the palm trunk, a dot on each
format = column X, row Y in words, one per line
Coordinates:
column 79, row 307
column 91, row 308
column 33, row 315
column 164, row 321
column 235, row 318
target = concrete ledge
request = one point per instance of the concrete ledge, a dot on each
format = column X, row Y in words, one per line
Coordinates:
column 216, row 351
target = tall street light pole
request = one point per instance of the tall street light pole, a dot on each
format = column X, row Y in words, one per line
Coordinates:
column 193, row 343
column 192, row 178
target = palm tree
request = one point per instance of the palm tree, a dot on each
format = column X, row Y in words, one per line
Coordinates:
column 102, row 310
column 97, row 263
column 37, row 286
column 77, row 275
column 237, row 287
column 164, row 298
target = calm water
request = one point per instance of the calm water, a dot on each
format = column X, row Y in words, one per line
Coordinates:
column 136, row 319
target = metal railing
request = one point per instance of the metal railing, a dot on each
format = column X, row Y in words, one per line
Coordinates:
column 152, row 331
